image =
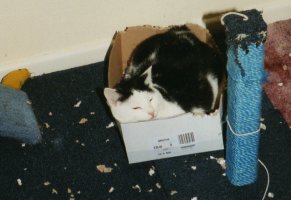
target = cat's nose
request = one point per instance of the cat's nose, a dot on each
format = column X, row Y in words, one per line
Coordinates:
column 152, row 114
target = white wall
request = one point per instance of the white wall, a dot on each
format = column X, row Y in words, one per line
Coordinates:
column 48, row 35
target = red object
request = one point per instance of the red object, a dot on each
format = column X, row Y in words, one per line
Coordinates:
column 278, row 66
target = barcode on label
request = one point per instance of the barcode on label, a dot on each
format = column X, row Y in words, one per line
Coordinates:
column 186, row 138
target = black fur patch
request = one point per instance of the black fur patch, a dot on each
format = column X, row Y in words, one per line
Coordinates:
column 125, row 86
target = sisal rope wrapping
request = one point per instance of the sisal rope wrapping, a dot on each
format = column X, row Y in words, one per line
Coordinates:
column 244, row 113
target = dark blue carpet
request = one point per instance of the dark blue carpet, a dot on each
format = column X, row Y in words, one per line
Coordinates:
column 63, row 166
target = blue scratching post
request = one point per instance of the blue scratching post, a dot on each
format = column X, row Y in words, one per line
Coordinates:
column 245, row 34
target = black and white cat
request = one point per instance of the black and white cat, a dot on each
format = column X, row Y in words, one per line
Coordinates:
column 169, row 74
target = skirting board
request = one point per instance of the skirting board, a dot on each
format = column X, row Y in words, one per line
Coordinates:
column 57, row 61
column 43, row 64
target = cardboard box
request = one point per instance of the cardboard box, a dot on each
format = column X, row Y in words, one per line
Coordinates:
column 156, row 139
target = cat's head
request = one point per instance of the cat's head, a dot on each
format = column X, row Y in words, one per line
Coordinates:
column 133, row 99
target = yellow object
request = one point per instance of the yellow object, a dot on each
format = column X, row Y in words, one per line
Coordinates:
column 16, row 78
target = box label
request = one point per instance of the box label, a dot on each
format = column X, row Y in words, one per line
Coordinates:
column 182, row 135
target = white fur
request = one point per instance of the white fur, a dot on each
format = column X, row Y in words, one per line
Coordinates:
column 144, row 105
column 167, row 109
column 198, row 111
column 186, row 37
column 152, row 56
column 132, row 69
column 214, row 85
column 141, row 105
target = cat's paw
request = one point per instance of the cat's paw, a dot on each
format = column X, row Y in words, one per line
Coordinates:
column 198, row 112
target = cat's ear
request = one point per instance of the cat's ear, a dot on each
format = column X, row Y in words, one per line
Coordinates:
column 148, row 73
column 111, row 95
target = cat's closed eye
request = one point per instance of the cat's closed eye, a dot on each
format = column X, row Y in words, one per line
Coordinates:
column 151, row 100
column 135, row 108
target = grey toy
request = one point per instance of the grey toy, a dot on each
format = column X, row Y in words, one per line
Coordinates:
column 17, row 119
